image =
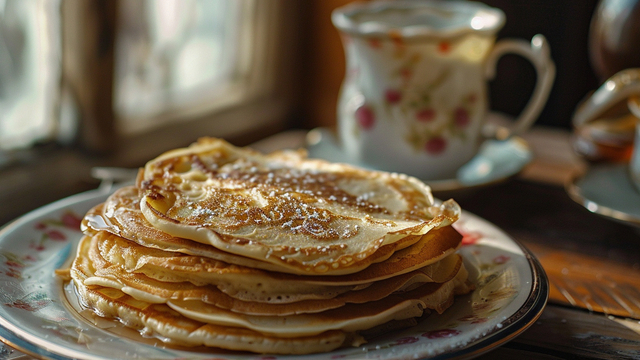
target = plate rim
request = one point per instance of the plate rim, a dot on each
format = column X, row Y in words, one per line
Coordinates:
column 515, row 324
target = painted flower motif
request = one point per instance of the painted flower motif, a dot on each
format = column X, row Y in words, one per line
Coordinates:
column 392, row 96
column 32, row 302
column 14, row 274
column 37, row 247
column 71, row 221
column 365, row 117
column 461, row 117
column 40, row 226
column 56, row 235
column 426, row 115
column 470, row 238
column 435, row 145
column 442, row 333
column 14, row 264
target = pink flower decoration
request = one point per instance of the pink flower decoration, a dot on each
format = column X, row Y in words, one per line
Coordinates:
column 38, row 247
column 461, row 117
column 365, row 117
column 443, row 333
column 40, row 226
column 71, row 221
column 21, row 304
column 14, row 274
column 426, row 115
column 470, row 238
column 435, row 145
column 14, row 264
column 392, row 96
column 56, row 235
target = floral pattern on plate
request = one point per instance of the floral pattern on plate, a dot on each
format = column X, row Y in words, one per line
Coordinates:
column 511, row 293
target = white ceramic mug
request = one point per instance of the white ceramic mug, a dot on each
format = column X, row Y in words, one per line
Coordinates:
column 414, row 97
column 623, row 86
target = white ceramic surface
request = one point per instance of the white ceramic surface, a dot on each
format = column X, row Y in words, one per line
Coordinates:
column 415, row 89
column 511, row 293
column 496, row 161
column 607, row 190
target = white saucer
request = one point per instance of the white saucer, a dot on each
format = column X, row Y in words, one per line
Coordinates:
column 607, row 190
column 496, row 161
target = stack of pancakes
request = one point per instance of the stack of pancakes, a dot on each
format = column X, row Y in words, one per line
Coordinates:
column 227, row 247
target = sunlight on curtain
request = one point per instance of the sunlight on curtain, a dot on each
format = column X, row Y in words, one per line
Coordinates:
column 173, row 54
column 29, row 71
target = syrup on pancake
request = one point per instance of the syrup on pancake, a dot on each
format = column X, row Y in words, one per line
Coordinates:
column 225, row 247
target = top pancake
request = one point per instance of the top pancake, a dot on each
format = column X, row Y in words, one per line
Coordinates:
column 307, row 216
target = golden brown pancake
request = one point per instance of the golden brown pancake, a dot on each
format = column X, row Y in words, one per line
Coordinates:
column 99, row 271
column 226, row 247
column 338, row 324
column 306, row 216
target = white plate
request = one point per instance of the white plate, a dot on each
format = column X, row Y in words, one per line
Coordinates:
column 496, row 160
column 511, row 292
column 607, row 190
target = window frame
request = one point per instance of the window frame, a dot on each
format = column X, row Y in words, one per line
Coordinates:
column 262, row 99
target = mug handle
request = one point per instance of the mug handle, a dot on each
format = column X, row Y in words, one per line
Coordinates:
column 537, row 52
column 621, row 86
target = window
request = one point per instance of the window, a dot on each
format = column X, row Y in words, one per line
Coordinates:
column 29, row 72
column 123, row 69
column 129, row 79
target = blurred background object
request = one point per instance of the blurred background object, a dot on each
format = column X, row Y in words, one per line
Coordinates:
column 614, row 45
column 116, row 82
column 29, row 71
column 614, row 38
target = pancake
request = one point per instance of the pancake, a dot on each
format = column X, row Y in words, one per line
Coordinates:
column 193, row 322
column 225, row 247
column 306, row 216
column 258, row 285
column 160, row 321
column 98, row 271
column 349, row 318
column 121, row 215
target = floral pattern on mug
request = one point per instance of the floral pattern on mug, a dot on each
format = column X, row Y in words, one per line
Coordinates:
column 428, row 127
column 365, row 117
